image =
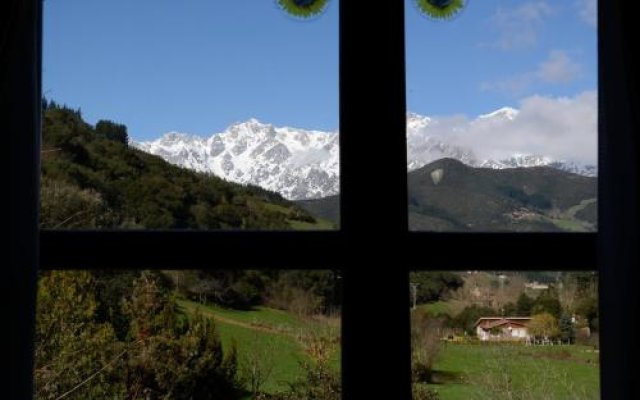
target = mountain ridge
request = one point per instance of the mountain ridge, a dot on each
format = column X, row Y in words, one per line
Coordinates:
column 304, row 164
column 91, row 178
column 447, row 195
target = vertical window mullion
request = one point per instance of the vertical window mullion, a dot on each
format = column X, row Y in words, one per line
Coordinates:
column 376, row 331
column 619, row 253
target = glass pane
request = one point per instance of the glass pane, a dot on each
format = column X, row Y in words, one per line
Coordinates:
column 197, row 115
column 188, row 334
column 504, row 335
column 502, row 128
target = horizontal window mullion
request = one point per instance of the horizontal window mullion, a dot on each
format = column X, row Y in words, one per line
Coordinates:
column 509, row 251
column 187, row 249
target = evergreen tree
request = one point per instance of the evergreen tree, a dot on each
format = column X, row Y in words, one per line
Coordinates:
column 433, row 285
column 547, row 302
column 74, row 354
column 467, row 318
column 524, row 305
column 163, row 356
column 112, row 131
column 174, row 357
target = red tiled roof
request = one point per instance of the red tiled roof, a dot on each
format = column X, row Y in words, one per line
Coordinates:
column 490, row 322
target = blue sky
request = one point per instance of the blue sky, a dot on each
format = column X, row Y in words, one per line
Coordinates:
column 497, row 52
column 199, row 65
column 193, row 66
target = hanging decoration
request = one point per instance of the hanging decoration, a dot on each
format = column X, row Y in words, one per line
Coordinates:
column 440, row 9
column 303, row 9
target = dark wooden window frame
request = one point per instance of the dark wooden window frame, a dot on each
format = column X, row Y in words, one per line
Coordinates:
column 373, row 248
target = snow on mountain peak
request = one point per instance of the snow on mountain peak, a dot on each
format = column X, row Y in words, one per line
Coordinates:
column 304, row 164
column 507, row 113
column 294, row 162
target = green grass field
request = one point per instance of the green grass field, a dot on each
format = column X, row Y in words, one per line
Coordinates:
column 320, row 224
column 267, row 331
column 465, row 371
column 441, row 308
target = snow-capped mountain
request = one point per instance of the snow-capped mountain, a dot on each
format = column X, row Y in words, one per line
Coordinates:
column 504, row 113
column 296, row 163
column 424, row 147
column 304, row 164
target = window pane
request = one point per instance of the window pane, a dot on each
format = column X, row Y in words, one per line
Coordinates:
column 188, row 334
column 202, row 115
column 502, row 127
column 505, row 334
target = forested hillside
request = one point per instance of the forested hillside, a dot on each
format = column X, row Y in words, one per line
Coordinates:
column 91, row 178
column 447, row 195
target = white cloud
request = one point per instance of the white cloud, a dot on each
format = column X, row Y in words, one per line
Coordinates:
column 564, row 128
column 558, row 68
column 588, row 10
column 515, row 85
column 519, row 27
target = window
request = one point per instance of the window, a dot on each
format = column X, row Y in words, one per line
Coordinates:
column 187, row 333
column 502, row 123
column 481, row 333
column 211, row 115
column 374, row 217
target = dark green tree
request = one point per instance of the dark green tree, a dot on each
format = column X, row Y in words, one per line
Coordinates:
column 510, row 309
column 74, row 355
column 547, row 302
column 567, row 331
column 467, row 318
column 524, row 304
column 165, row 355
column 587, row 307
column 174, row 357
column 112, row 131
column 433, row 285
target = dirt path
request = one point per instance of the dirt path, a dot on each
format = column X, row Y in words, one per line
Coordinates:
column 231, row 321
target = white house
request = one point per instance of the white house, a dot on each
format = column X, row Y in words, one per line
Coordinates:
column 502, row 328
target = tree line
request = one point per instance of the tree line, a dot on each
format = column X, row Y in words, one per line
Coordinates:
column 91, row 178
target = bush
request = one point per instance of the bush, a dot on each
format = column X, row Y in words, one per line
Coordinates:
column 305, row 293
column 162, row 356
column 425, row 346
column 320, row 381
column 544, row 325
column 420, row 392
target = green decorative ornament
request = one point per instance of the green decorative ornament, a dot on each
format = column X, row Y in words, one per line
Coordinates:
column 303, row 9
column 440, row 9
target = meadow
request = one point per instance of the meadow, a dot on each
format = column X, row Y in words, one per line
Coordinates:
column 276, row 336
column 504, row 371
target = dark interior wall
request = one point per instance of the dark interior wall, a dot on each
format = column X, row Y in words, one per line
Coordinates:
column 20, row 115
column 619, row 200
column 618, row 241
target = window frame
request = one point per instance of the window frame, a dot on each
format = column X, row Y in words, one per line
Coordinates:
column 371, row 38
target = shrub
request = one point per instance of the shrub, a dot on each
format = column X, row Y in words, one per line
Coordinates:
column 425, row 346
column 420, row 392
column 544, row 325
